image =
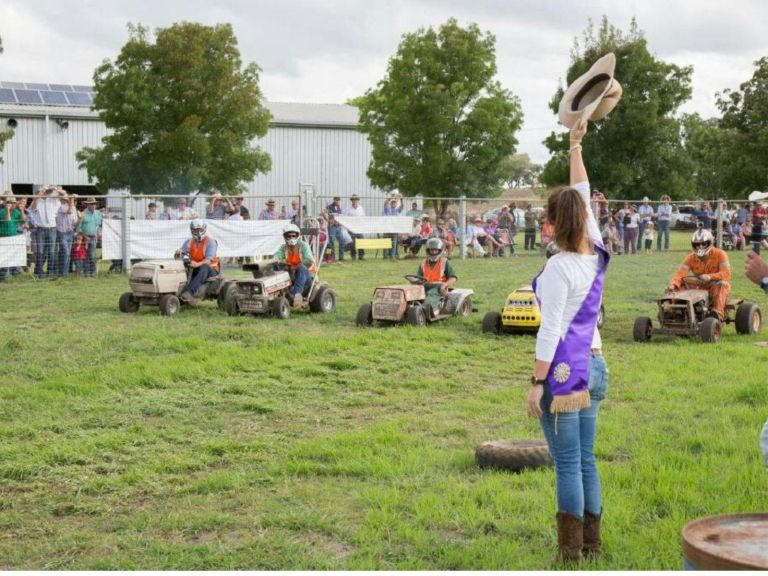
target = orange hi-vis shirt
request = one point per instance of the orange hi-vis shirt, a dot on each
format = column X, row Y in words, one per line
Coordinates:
column 197, row 252
column 716, row 265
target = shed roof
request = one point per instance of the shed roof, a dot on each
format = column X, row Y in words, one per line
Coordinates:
column 283, row 113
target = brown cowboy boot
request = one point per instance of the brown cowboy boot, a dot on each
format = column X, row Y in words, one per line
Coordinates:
column 570, row 537
column 593, row 545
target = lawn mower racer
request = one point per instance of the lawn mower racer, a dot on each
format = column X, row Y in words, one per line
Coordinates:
column 711, row 271
column 199, row 252
column 438, row 276
column 297, row 256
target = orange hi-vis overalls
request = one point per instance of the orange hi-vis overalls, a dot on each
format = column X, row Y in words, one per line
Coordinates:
column 197, row 252
column 718, row 268
column 434, row 273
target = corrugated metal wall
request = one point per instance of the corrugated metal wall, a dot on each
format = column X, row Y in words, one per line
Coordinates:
column 333, row 160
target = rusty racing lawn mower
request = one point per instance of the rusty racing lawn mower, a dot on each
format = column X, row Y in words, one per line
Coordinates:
column 407, row 303
column 688, row 313
column 268, row 291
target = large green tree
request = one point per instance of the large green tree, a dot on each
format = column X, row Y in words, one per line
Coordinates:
column 637, row 150
column 716, row 162
column 439, row 123
column 518, row 170
column 745, row 113
column 4, row 134
column 182, row 112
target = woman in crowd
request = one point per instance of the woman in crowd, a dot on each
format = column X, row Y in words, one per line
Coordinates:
column 447, row 236
column 631, row 221
column 570, row 377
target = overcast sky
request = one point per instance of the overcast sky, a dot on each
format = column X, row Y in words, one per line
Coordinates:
column 332, row 50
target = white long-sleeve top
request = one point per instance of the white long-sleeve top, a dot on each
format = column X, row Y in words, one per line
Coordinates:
column 563, row 286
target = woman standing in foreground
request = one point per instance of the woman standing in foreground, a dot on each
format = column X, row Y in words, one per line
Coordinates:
column 570, row 376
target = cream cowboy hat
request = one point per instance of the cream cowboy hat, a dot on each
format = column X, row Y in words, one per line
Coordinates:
column 757, row 195
column 592, row 95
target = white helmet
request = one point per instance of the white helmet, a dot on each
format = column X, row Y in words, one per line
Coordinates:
column 291, row 234
column 198, row 228
column 702, row 242
column 434, row 249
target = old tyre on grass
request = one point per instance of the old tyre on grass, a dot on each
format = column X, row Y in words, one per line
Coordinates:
column 710, row 330
column 415, row 316
column 364, row 315
column 492, row 323
column 748, row 318
column 128, row 304
column 280, row 308
column 641, row 332
column 169, row 305
column 324, row 301
column 514, row 455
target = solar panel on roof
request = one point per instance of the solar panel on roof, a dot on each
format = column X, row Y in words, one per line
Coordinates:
column 33, row 86
column 19, row 85
column 53, row 97
column 83, row 88
column 62, row 87
column 28, row 97
column 6, row 96
column 78, row 98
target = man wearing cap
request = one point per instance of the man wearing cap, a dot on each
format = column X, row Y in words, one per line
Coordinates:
column 355, row 209
column 89, row 226
column 334, row 228
column 646, row 213
column 46, row 205
column 269, row 213
column 66, row 222
column 393, row 207
column 10, row 219
column 181, row 211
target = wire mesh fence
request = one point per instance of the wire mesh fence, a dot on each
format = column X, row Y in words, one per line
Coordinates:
column 63, row 235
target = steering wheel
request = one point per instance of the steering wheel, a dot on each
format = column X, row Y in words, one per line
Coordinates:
column 415, row 279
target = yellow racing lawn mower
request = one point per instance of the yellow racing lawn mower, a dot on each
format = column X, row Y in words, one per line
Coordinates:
column 521, row 314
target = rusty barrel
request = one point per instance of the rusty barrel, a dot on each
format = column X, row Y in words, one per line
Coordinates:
column 729, row 542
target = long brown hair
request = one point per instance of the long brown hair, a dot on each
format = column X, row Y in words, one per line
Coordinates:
column 567, row 212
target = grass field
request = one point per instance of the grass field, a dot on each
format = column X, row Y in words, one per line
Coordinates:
column 204, row 441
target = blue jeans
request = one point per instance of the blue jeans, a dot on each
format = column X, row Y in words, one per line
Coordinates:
column 46, row 251
column 336, row 232
column 663, row 226
column 199, row 276
column 640, row 229
column 79, row 267
column 65, row 240
column 392, row 252
column 571, row 440
column 90, row 256
column 301, row 279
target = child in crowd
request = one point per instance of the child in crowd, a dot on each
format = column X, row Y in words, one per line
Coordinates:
column 547, row 230
column 737, row 234
column 648, row 237
column 611, row 237
column 78, row 254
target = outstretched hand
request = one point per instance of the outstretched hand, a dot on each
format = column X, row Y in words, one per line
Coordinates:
column 578, row 132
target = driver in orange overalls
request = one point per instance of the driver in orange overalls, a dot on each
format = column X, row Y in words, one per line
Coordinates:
column 711, row 269
column 436, row 269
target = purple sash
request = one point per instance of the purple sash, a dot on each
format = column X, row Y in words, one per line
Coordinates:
column 569, row 372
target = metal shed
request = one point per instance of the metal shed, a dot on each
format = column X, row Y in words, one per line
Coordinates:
column 315, row 144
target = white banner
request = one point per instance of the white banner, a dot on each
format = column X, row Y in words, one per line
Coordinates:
column 376, row 224
column 160, row 239
column 13, row 251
